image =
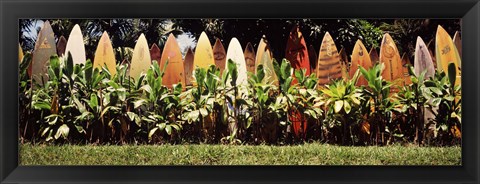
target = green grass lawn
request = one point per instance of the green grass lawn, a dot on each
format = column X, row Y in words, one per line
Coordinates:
column 306, row 154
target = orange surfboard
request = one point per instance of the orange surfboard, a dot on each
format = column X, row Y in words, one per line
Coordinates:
column 374, row 56
column 249, row 54
column 155, row 53
column 188, row 67
column 296, row 51
column 390, row 57
column 446, row 53
column 360, row 57
column 44, row 48
column 344, row 62
column 329, row 66
column 406, row 75
column 312, row 55
column 220, row 55
column 174, row 71
column 104, row 55
column 61, row 45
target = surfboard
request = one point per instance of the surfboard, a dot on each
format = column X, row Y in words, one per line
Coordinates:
column 188, row 67
column 249, row 54
column 104, row 55
column 76, row 46
column 263, row 47
column 264, row 57
column 423, row 60
column 203, row 57
column 329, row 66
column 297, row 52
column 219, row 54
column 235, row 53
column 406, row 75
column 360, row 57
column 174, row 71
column 390, row 57
column 446, row 53
column 344, row 63
column 457, row 40
column 61, row 46
column 431, row 50
column 312, row 55
column 155, row 53
column 141, row 60
column 44, row 48
column 374, row 56
column 20, row 53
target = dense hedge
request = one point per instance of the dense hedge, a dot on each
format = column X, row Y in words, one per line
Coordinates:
column 80, row 104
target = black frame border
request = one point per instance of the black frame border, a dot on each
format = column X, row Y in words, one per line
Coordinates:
column 12, row 10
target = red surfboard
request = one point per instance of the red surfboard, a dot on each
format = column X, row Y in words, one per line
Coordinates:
column 312, row 55
column 296, row 52
column 188, row 66
column 220, row 55
column 249, row 54
column 374, row 56
column 61, row 46
column 155, row 53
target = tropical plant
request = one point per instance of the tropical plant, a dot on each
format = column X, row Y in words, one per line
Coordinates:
column 343, row 100
column 377, row 94
column 444, row 100
column 412, row 104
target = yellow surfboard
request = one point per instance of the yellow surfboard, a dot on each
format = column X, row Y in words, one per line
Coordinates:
column 76, row 46
column 20, row 53
column 174, row 71
column 360, row 57
column 104, row 55
column 264, row 57
column 446, row 53
column 390, row 57
column 262, row 48
column 141, row 60
column 44, row 48
column 203, row 57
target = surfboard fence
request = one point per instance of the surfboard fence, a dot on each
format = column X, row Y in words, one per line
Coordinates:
column 235, row 96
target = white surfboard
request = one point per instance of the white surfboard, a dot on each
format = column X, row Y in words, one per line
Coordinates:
column 235, row 53
column 76, row 46
column 423, row 60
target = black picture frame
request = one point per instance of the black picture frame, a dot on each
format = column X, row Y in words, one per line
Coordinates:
column 12, row 10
